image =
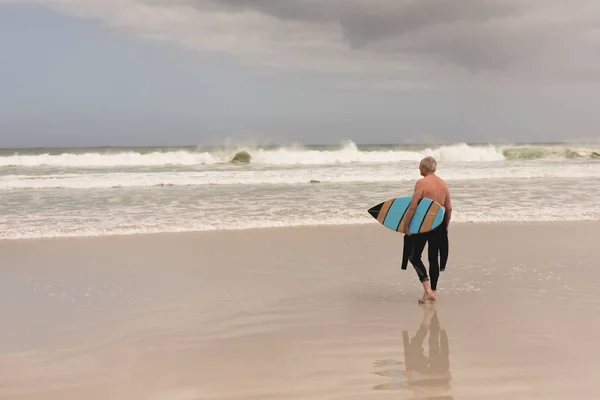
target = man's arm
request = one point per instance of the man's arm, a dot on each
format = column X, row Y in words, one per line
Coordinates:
column 412, row 207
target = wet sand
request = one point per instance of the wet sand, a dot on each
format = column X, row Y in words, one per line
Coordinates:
column 301, row 313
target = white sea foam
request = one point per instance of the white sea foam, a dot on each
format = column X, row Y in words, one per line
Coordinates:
column 293, row 176
column 124, row 159
column 349, row 153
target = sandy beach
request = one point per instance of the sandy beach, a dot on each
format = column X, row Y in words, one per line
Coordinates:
column 301, row 313
column 195, row 198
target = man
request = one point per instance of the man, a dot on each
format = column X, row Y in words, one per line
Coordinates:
column 433, row 187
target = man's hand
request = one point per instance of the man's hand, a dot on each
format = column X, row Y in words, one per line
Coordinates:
column 405, row 231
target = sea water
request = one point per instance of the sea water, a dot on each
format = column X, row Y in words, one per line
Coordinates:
column 53, row 192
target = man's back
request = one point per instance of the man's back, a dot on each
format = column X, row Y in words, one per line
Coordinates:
column 434, row 187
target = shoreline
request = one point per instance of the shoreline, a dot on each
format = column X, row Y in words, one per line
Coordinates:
column 353, row 225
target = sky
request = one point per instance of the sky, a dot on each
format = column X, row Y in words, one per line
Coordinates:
column 195, row 72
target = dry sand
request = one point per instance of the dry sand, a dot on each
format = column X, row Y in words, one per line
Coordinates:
column 301, row 313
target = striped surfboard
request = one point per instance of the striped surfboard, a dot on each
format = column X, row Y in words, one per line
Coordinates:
column 429, row 214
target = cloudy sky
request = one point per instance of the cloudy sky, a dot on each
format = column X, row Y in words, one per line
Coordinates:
column 158, row 72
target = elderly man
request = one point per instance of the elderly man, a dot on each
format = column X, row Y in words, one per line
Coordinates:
column 433, row 187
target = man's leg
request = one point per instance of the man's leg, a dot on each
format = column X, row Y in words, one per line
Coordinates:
column 443, row 247
column 415, row 259
column 433, row 249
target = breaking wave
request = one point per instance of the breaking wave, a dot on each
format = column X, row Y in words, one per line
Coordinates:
column 348, row 153
column 534, row 153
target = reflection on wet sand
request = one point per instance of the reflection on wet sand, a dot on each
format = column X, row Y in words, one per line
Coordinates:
column 427, row 377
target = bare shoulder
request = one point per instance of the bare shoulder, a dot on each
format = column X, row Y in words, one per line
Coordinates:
column 445, row 186
column 419, row 183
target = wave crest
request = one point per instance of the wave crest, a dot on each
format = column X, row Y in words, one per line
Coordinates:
column 348, row 153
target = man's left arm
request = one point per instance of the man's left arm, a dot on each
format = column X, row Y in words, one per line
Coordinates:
column 412, row 207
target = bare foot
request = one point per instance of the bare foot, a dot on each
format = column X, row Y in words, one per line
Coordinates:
column 427, row 296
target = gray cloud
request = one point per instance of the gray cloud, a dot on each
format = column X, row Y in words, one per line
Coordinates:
column 473, row 34
column 553, row 40
column 365, row 22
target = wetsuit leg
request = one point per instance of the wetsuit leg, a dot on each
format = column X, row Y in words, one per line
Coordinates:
column 415, row 257
column 443, row 247
column 433, row 249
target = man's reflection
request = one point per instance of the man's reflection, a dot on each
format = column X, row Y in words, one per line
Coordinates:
column 428, row 377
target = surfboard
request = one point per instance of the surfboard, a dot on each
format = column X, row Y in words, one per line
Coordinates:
column 428, row 216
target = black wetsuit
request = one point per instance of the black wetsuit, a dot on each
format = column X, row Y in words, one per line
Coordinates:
column 437, row 241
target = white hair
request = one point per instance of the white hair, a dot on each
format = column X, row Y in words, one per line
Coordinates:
column 429, row 163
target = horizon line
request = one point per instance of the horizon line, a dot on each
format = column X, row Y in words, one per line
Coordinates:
column 341, row 143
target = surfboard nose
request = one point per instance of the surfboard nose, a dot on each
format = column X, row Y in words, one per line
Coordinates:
column 374, row 211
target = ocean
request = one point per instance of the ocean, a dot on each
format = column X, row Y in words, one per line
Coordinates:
column 57, row 192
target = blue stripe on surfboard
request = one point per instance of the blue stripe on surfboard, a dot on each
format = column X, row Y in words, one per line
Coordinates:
column 396, row 212
column 419, row 215
column 439, row 218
